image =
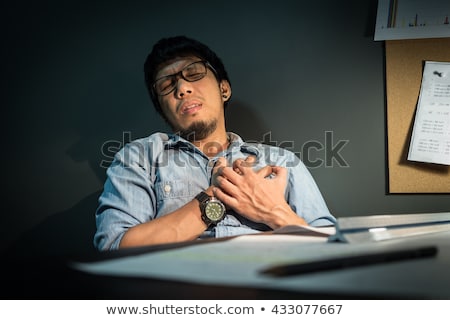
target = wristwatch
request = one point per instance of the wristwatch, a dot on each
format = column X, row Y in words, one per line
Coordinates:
column 212, row 209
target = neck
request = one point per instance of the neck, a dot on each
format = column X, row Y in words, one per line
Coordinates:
column 211, row 146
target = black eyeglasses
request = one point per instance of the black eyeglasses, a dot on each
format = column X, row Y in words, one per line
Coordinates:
column 192, row 72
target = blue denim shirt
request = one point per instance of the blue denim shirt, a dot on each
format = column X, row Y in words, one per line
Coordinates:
column 153, row 176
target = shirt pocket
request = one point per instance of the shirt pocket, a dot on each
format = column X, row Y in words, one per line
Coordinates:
column 174, row 189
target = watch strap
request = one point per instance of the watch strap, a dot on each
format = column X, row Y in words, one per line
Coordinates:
column 202, row 197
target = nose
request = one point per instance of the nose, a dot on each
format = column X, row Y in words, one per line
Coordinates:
column 183, row 88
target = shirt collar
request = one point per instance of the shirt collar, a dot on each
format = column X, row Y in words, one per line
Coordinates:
column 173, row 141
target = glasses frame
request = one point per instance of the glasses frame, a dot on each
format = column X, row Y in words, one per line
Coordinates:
column 180, row 74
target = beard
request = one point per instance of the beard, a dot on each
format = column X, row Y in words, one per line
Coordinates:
column 198, row 130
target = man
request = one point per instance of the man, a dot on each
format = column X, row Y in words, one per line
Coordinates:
column 199, row 181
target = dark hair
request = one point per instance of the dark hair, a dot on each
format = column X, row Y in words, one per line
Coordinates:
column 168, row 49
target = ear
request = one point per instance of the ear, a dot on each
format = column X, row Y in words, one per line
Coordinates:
column 225, row 90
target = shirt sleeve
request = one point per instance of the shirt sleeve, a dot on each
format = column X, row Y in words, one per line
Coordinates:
column 128, row 197
column 304, row 196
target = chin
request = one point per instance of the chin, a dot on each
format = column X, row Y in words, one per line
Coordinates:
column 198, row 130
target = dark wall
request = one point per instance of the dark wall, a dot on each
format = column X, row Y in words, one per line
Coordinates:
column 306, row 75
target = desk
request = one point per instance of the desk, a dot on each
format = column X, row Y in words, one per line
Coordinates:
column 52, row 278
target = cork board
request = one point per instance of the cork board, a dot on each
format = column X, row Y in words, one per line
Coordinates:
column 404, row 66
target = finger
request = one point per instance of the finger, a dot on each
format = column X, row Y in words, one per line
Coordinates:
column 236, row 168
column 238, row 171
column 244, row 165
column 265, row 171
column 279, row 172
column 221, row 162
column 230, row 174
column 217, row 170
column 227, row 200
column 219, row 165
column 236, row 164
column 251, row 160
column 227, row 186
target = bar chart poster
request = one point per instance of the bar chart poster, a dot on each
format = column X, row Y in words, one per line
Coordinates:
column 412, row 19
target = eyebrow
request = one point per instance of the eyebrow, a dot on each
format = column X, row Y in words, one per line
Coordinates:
column 173, row 73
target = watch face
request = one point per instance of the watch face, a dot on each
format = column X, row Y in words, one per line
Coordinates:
column 214, row 210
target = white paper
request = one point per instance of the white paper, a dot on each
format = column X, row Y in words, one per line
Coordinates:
column 430, row 141
column 235, row 261
column 239, row 261
column 412, row 19
column 387, row 227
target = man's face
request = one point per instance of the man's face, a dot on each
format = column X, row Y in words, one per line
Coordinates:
column 193, row 109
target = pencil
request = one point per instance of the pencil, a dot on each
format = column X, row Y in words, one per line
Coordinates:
column 350, row 261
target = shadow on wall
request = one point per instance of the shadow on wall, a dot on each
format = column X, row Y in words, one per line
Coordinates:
column 100, row 120
column 68, row 232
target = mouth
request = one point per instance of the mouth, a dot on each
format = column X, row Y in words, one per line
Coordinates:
column 190, row 107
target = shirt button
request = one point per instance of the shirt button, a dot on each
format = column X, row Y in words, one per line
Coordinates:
column 211, row 163
column 167, row 188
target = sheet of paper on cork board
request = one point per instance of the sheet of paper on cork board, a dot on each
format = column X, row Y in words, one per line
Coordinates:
column 430, row 141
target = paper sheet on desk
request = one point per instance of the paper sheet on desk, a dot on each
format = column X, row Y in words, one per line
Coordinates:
column 237, row 261
column 430, row 141
column 375, row 228
column 234, row 260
